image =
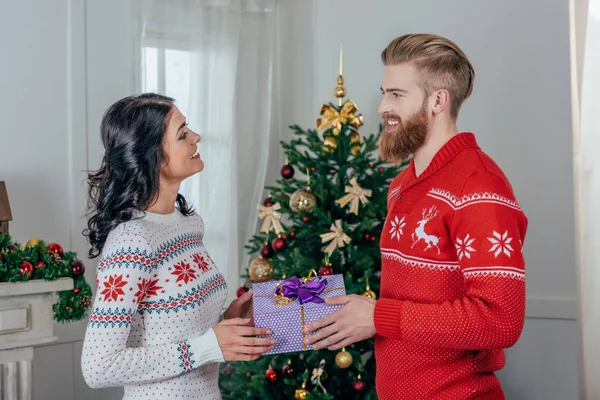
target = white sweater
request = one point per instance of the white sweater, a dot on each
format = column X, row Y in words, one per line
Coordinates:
column 158, row 296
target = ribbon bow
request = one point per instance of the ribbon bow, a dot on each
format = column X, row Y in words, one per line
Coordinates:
column 307, row 291
column 336, row 236
column 334, row 119
column 355, row 194
column 271, row 216
column 316, row 375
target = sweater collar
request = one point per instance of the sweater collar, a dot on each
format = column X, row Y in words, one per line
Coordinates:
column 444, row 155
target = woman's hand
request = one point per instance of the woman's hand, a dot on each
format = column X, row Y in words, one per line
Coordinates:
column 240, row 307
column 235, row 346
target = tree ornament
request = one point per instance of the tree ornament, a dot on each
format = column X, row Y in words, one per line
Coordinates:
column 317, row 374
column 241, row 290
column 359, row 385
column 368, row 292
column 266, row 251
column 324, row 271
column 303, row 200
column 268, row 202
column 25, row 268
column 355, row 194
column 279, row 244
column 11, row 248
column 332, row 118
column 288, row 370
column 343, row 359
column 336, row 236
column 260, row 270
column 271, row 218
column 76, row 290
column 287, row 171
column 329, row 144
column 77, row 268
column 271, row 375
column 355, row 143
column 40, row 265
column 302, row 393
column 32, row 242
column 55, row 248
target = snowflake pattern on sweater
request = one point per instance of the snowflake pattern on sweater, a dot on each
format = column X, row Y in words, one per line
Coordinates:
column 453, row 278
column 158, row 296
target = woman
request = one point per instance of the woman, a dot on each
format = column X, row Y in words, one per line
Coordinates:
column 154, row 327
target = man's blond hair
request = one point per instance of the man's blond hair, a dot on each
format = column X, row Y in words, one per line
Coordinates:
column 441, row 62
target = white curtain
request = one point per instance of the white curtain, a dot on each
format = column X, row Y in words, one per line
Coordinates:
column 218, row 63
column 587, row 173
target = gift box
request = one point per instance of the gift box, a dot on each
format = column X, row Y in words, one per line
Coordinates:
column 287, row 306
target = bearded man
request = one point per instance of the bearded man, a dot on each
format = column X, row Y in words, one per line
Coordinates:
column 452, row 294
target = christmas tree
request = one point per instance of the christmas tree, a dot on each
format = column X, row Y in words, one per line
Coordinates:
column 325, row 214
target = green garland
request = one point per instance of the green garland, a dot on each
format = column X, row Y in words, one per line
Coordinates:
column 37, row 260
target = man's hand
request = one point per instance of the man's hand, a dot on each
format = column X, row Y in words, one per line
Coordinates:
column 241, row 308
column 350, row 324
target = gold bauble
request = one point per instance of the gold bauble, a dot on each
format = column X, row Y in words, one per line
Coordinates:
column 330, row 144
column 260, row 270
column 302, row 200
column 343, row 359
column 369, row 293
column 32, row 242
column 302, row 394
column 355, row 143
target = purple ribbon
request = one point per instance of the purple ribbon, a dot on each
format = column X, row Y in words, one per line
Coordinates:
column 306, row 292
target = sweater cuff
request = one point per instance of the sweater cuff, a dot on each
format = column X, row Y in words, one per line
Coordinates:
column 205, row 349
column 388, row 314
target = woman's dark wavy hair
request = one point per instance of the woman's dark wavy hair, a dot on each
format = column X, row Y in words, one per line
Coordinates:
column 127, row 181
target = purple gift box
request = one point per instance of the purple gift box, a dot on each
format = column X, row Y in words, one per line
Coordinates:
column 300, row 304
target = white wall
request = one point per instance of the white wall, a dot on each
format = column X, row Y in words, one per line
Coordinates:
column 70, row 59
column 520, row 112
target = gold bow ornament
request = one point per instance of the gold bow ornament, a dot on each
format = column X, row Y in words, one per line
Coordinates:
column 331, row 118
column 271, row 218
column 337, row 237
column 355, row 195
column 317, row 373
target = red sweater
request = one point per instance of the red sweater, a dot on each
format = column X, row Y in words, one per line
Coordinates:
column 452, row 279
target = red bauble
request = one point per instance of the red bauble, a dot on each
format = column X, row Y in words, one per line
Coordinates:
column 76, row 290
column 288, row 371
column 77, row 268
column 55, row 248
column 25, row 268
column 292, row 234
column 12, row 247
column 380, row 169
column 371, row 165
column 268, row 202
column 266, row 251
column 40, row 264
column 287, row 171
column 325, row 271
column 241, row 290
column 359, row 385
column 305, row 219
column 0, row 257
column 271, row 375
column 279, row 244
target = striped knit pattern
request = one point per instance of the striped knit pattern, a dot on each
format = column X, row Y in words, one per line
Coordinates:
column 158, row 296
column 453, row 278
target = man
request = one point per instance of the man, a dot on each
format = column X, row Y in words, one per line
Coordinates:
column 452, row 293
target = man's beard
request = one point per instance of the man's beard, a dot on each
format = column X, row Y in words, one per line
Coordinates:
column 396, row 146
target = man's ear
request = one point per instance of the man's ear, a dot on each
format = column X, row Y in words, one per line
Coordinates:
column 441, row 101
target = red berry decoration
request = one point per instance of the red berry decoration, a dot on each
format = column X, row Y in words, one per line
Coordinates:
column 268, row 202
column 271, row 375
column 380, row 169
column 55, row 248
column 279, row 244
column 288, row 370
column 287, row 171
column 372, row 165
column 241, row 290
column 323, row 271
column 25, row 268
column 77, row 268
column 266, row 251
column 305, row 219
column 76, row 290
column 40, row 265
column 359, row 385
column 292, row 234
column 12, row 247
